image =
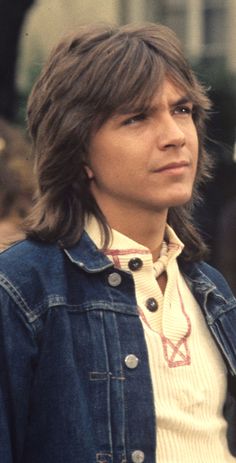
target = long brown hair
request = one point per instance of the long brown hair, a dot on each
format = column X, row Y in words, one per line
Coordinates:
column 99, row 71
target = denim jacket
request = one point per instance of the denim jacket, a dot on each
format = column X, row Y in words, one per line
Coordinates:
column 68, row 322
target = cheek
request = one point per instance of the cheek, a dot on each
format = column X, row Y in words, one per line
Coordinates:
column 196, row 154
column 104, row 165
column 195, row 162
column 194, row 145
column 96, row 158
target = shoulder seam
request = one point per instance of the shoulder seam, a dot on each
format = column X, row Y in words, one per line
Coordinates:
column 17, row 297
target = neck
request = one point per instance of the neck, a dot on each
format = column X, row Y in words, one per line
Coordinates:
column 146, row 229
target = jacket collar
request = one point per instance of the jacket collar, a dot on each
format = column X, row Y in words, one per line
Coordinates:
column 196, row 275
column 87, row 256
column 203, row 279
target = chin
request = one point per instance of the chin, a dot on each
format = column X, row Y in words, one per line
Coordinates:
column 178, row 200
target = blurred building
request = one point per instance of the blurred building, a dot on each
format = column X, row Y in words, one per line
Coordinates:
column 206, row 27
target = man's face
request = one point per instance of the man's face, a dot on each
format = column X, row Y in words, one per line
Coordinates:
column 146, row 161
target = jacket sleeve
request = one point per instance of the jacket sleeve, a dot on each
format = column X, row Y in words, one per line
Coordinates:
column 17, row 356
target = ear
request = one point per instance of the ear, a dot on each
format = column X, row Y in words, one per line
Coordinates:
column 88, row 171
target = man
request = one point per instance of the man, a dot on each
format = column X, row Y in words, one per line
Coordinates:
column 117, row 341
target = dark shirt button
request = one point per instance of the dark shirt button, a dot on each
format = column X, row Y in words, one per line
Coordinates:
column 135, row 264
column 151, row 304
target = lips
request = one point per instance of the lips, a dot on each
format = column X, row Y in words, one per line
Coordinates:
column 173, row 166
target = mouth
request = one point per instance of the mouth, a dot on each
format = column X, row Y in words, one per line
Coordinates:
column 174, row 167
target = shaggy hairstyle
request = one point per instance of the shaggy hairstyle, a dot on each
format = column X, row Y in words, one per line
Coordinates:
column 99, row 71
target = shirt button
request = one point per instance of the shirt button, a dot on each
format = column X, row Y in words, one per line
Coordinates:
column 131, row 361
column 151, row 304
column 137, row 456
column 114, row 279
column 135, row 264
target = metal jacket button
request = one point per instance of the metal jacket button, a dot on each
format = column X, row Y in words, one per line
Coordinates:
column 152, row 304
column 137, row 456
column 114, row 279
column 135, row 263
column 131, row 361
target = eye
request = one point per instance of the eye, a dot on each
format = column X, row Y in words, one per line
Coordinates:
column 184, row 110
column 134, row 119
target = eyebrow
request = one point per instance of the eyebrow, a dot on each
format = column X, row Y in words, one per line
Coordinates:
column 152, row 108
column 181, row 101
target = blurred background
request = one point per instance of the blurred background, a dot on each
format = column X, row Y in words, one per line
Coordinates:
column 207, row 28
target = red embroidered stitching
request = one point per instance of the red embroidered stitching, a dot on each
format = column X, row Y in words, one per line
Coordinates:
column 124, row 252
column 116, row 261
column 166, row 342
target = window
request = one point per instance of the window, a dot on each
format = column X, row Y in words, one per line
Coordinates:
column 214, row 28
column 173, row 14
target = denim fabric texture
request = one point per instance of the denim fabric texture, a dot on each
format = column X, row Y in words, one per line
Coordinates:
column 66, row 393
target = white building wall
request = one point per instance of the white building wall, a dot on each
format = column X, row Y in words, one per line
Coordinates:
column 231, row 36
column 49, row 20
column 194, row 28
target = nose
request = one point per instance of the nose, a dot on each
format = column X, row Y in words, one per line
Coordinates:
column 171, row 134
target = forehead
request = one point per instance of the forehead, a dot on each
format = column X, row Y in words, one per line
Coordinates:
column 170, row 92
column 134, row 90
column 167, row 92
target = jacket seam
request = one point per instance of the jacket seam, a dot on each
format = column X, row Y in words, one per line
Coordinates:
column 19, row 301
column 15, row 294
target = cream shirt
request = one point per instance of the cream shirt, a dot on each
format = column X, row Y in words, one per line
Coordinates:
column 187, row 370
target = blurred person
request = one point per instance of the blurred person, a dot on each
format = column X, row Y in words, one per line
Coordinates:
column 118, row 342
column 16, row 182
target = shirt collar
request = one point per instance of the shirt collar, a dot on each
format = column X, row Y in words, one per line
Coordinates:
column 119, row 241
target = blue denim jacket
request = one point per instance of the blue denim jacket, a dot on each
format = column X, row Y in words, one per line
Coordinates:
column 66, row 327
